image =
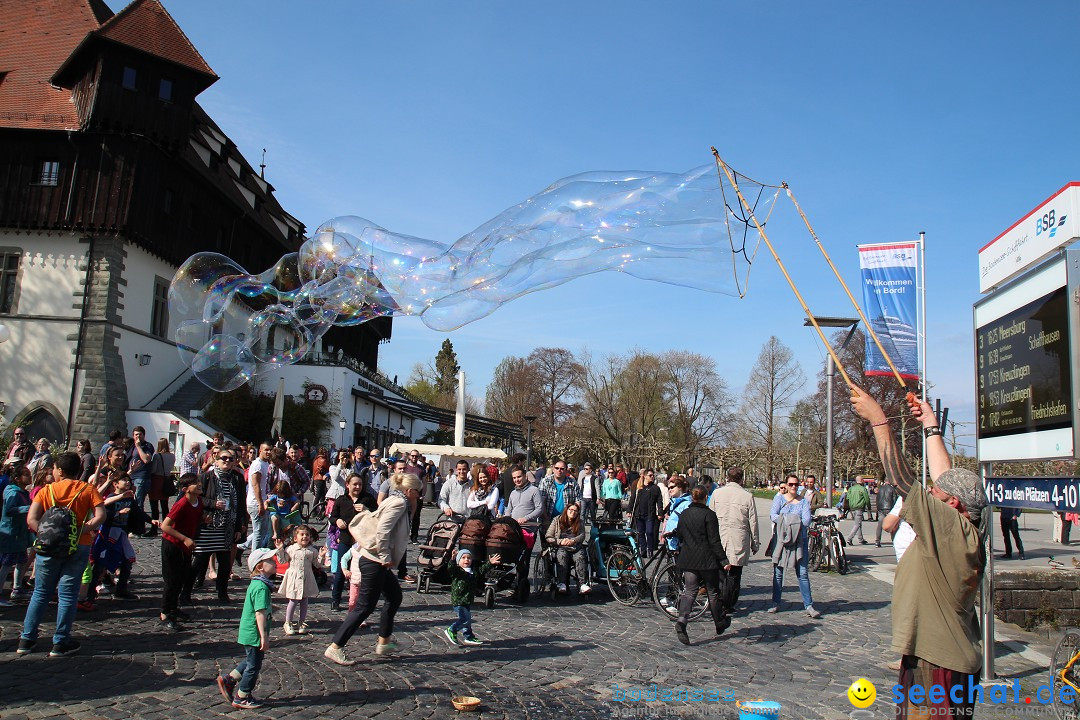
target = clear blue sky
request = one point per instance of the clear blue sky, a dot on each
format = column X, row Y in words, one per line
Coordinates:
column 886, row 119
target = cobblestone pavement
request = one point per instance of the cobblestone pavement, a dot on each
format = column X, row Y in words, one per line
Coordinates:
column 545, row 660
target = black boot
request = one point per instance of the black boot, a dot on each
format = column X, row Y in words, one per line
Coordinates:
column 680, row 632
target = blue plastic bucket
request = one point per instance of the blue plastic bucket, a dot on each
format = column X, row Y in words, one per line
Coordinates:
column 758, row 709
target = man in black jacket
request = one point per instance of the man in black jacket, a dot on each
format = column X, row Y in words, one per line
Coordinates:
column 648, row 507
column 886, row 498
column 701, row 560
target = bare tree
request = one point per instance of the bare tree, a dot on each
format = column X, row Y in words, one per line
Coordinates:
column 697, row 397
column 514, row 391
column 770, row 391
column 600, row 396
column 558, row 374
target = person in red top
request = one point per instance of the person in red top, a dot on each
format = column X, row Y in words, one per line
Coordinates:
column 178, row 532
column 60, row 576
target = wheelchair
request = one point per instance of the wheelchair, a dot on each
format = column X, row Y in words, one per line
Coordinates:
column 545, row 573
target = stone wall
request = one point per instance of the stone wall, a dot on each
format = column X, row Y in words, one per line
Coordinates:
column 103, row 400
column 1032, row 597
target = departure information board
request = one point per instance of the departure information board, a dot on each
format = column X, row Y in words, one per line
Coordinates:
column 1023, row 368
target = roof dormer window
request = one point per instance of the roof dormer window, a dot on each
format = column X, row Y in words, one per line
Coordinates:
column 130, row 77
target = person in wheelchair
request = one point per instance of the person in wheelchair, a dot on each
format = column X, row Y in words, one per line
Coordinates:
column 566, row 535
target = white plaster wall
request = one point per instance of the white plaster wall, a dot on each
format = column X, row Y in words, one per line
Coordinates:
column 145, row 381
column 140, row 270
column 35, row 362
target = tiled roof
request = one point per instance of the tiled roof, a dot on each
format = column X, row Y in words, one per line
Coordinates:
column 146, row 25
column 36, row 36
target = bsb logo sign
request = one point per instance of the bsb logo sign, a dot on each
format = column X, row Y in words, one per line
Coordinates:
column 1049, row 222
column 1031, row 239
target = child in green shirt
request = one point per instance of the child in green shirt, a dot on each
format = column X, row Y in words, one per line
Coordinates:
column 464, row 582
column 254, row 632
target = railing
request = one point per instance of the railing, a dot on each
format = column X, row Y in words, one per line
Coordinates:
column 343, row 360
column 185, row 372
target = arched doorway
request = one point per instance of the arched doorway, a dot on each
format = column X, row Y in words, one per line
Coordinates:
column 41, row 422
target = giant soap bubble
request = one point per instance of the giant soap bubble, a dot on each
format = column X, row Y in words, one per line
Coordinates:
column 671, row 227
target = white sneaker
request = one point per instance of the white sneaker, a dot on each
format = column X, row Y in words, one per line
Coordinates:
column 337, row 655
column 387, row 648
column 812, row 612
column 584, row 589
column 303, row 629
column 774, row 609
column 289, row 630
column 562, row 587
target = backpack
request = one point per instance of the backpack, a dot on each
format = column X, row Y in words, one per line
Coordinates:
column 58, row 530
column 678, row 505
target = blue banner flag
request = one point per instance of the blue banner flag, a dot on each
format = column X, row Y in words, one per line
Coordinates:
column 888, row 275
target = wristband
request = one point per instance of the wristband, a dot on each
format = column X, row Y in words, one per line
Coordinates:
column 931, row 431
column 883, row 422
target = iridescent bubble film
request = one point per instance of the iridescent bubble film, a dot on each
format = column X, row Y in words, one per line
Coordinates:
column 684, row 229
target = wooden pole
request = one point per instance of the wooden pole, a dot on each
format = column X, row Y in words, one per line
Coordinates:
column 855, row 304
column 761, row 231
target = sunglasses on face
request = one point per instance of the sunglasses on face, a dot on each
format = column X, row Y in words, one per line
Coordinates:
column 560, row 467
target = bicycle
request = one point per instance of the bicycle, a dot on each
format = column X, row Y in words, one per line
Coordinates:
column 826, row 547
column 1064, row 672
column 627, row 574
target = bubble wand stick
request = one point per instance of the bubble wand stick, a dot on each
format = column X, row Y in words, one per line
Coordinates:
column 869, row 327
column 721, row 165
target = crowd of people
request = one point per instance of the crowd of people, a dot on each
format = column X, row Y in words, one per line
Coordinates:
column 74, row 514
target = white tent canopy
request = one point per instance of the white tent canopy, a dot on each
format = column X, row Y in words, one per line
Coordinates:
column 446, row 457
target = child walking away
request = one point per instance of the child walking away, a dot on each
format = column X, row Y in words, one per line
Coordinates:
column 299, row 584
column 463, row 584
column 253, row 634
column 351, row 559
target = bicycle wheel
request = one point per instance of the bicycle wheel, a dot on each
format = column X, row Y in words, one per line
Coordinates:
column 543, row 573
column 840, row 555
column 814, row 553
column 667, row 586
column 623, row 575
column 1062, row 675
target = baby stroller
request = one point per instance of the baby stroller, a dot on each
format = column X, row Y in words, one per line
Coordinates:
column 436, row 554
column 474, row 534
column 506, row 539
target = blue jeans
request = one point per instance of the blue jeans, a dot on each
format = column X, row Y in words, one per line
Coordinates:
column 804, row 577
column 463, row 622
column 62, row 576
column 260, row 530
column 249, row 669
column 647, row 534
column 142, row 487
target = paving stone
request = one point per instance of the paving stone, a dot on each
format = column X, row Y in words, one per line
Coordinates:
column 546, row 660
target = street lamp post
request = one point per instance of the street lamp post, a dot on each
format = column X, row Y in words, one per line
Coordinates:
column 530, row 419
column 830, row 374
column 341, row 424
